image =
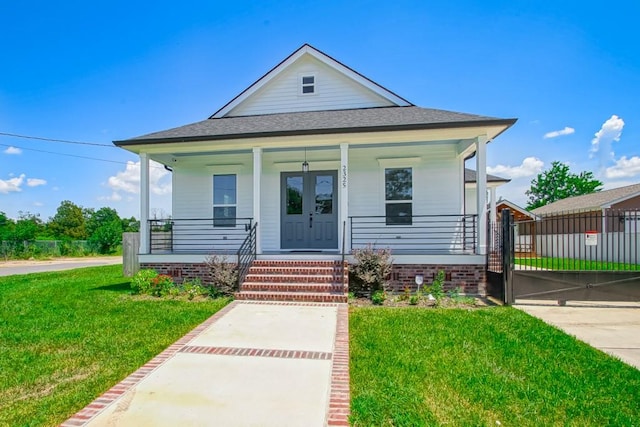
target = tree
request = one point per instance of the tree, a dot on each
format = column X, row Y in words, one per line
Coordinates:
column 69, row 222
column 559, row 183
column 104, row 227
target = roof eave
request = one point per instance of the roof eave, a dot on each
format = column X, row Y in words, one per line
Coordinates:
column 387, row 128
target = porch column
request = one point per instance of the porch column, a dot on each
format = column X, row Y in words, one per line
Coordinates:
column 481, row 193
column 257, row 191
column 493, row 214
column 144, row 204
column 343, row 181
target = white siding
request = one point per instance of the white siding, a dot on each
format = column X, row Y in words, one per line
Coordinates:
column 436, row 179
column 193, row 187
column 334, row 91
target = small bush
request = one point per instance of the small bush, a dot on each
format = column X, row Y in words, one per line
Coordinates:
column 223, row 276
column 160, row 285
column 436, row 289
column 193, row 288
column 371, row 270
column 378, row 297
column 141, row 282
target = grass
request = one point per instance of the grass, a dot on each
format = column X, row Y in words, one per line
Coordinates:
column 66, row 337
column 569, row 264
column 495, row 366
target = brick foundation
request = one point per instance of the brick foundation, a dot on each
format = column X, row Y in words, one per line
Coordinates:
column 180, row 271
column 471, row 279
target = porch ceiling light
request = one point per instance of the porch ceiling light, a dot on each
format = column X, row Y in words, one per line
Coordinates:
column 305, row 164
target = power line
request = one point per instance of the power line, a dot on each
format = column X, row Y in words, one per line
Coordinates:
column 70, row 155
column 66, row 141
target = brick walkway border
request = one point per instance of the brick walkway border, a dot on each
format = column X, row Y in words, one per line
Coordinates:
column 339, row 398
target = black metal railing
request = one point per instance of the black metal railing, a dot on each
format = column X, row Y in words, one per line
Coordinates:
column 420, row 234
column 247, row 254
column 597, row 240
column 198, row 235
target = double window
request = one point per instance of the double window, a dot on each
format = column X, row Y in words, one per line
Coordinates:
column 224, row 200
column 398, row 194
column 308, row 84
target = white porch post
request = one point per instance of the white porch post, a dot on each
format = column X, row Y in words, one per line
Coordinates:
column 481, row 193
column 257, row 191
column 144, row 204
column 493, row 214
column 343, row 183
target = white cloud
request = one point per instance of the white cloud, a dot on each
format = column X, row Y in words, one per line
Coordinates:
column 556, row 133
column 11, row 185
column 610, row 132
column 34, row 182
column 530, row 166
column 128, row 180
column 624, row 168
column 38, row 204
column 12, row 150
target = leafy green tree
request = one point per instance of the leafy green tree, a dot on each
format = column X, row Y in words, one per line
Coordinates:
column 69, row 222
column 27, row 227
column 6, row 226
column 104, row 227
column 130, row 225
column 559, row 183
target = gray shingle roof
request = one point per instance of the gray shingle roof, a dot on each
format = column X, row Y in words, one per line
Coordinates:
column 588, row 202
column 470, row 175
column 318, row 122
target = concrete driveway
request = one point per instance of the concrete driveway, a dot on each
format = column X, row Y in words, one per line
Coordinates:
column 613, row 327
column 8, row 268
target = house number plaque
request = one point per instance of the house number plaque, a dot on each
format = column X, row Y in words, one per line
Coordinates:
column 344, row 176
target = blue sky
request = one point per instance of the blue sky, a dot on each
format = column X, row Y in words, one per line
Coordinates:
column 102, row 71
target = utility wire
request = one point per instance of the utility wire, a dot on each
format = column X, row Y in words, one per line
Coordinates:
column 71, row 155
column 66, row 141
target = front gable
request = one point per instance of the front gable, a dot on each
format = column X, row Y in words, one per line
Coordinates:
column 309, row 80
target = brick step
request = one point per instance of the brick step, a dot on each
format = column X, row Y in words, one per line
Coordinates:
column 291, row 296
column 337, row 271
column 292, row 278
column 296, row 263
column 292, row 287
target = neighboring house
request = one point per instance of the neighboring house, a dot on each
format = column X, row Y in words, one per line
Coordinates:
column 321, row 158
column 470, row 191
column 526, row 225
column 613, row 210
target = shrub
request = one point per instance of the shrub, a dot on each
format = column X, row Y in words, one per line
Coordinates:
column 193, row 288
column 437, row 286
column 371, row 270
column 223, row 276
column 378, row 297
column 141, row 282
column 160, row 285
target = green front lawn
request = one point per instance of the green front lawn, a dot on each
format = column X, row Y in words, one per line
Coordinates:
column 494, row 366
column 570, row 264
column 66, row 337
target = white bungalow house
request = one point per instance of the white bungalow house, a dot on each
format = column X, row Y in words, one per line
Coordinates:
column 312, row 161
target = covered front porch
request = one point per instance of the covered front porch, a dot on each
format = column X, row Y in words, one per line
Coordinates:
column 324, row 198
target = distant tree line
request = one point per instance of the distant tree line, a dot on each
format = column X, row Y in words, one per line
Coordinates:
column 100, row 230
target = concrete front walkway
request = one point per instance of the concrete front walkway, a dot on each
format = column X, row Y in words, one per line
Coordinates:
column 613, row 327
column 251, row 364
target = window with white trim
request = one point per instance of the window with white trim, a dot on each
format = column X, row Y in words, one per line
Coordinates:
column 398, row 195
column 224, row 200
column 307, row 84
